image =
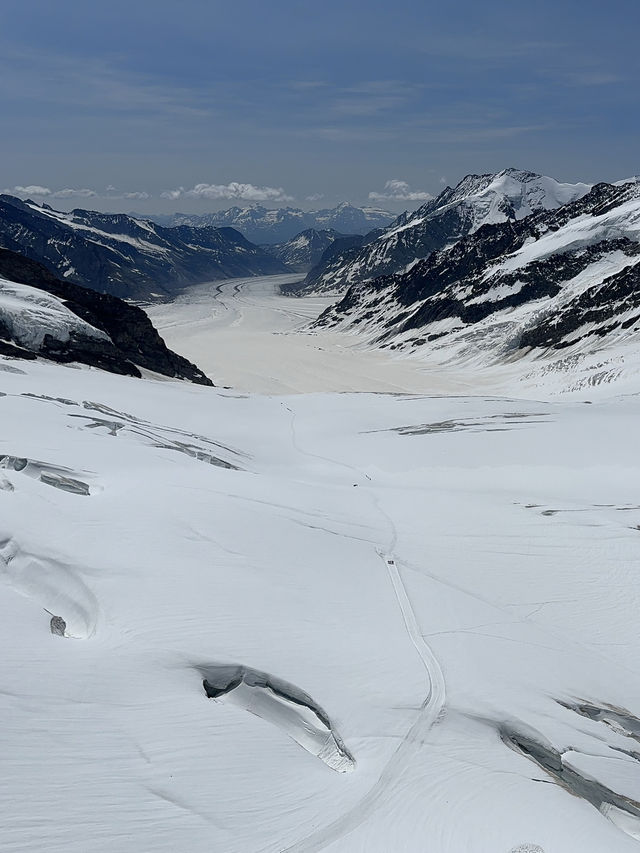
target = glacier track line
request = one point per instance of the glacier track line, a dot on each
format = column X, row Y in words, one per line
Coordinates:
column 429, row 711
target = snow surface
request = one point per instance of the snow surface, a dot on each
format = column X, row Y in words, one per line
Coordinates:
column 429, row 572
column 243, row 333
column 31, row 314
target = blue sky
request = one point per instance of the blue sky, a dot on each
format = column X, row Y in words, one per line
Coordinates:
column 201, row 104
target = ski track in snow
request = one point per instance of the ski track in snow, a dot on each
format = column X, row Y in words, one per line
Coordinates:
column 431, row 707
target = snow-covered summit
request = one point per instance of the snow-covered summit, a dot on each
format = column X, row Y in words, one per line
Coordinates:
column 477, row 200
column 509, row 194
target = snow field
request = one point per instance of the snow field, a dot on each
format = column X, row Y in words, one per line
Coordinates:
column 513, row 556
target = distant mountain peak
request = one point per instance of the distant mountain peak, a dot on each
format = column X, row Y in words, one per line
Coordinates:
column 278, row 225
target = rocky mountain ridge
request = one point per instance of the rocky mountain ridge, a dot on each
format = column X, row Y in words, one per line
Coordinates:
column 43, row 316
column 564, row 279
column 509, row 195
column 130, row 258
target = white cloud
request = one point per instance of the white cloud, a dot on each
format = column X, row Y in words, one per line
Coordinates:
column 173, row 194
column 395, row 190
column 314, row 197
column 232, row 190
column 30, row 190
column 34, row 191
column 68, row 192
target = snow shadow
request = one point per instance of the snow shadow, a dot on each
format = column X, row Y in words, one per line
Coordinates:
column 492, row 423
column 622, row 811
column 52, row 475
column 280, row 703
column 167, row 438
column 620, row 720
column 54, row 586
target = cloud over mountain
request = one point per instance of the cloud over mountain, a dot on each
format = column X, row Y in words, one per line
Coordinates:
column 232, row 190
column 37, row 191
column 396, row 190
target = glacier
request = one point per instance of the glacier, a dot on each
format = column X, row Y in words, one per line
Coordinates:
column 425, row 576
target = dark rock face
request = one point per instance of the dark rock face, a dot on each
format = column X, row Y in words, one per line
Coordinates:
column 58, row 626
column 137, row 259
column 470, row 281
column 133, row 342
column 599, row 309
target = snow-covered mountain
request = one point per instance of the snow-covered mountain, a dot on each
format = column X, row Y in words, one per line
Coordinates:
column 132, row 258
column 305, row 249
column 559, row 280
column 44, row 317
column 262, row 225
column 477, row 200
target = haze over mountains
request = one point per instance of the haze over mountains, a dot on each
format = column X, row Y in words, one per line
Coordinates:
column 262, row 225
column 139, row 259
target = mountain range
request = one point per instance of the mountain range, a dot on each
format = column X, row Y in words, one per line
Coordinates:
column 126, row 257
column 563, row 281
column 477, row 200
column 262, row 225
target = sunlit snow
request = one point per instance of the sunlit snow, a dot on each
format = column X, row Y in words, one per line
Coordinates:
column 260, row 586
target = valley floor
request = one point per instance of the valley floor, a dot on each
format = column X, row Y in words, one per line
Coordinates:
column 303, row 621
column 244, row 333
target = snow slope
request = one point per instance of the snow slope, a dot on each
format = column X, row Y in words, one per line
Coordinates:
column 305, row 249
column 438, row 584
column 29, row 314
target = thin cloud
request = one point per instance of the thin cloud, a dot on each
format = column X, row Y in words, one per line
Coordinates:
column 69, row 192
column 593, row 78
column 395, row 190
column 31, row 190
column 37, row 191
column 232, row 190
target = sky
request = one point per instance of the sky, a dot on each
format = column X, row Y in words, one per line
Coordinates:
column 158, row 106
